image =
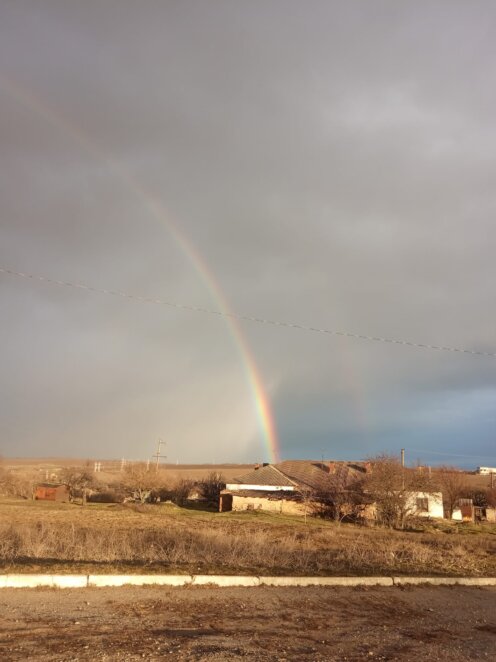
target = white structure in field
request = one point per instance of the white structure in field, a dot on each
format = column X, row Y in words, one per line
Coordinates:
column 426, row 504
column 486, row 470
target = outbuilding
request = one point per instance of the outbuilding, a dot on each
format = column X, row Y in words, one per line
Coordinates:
column 51, row 492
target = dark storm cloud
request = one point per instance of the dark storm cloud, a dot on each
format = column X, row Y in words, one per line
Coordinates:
column 333, row 163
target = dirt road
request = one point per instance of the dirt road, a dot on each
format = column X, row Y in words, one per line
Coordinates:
column 203, row 623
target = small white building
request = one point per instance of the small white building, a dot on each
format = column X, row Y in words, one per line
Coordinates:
column 426, row 504
column 485, row 471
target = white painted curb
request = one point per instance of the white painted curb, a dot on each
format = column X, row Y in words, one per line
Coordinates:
column 446, row 581
column 54, row 581
column 326, row 581
column 225, row 580
column 138, row 580
column 83, row 581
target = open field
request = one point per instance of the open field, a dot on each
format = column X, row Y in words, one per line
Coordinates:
column 35, row 535
column 111, row 468
column 260, row 624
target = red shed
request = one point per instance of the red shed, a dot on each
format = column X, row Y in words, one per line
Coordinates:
column 52, row 492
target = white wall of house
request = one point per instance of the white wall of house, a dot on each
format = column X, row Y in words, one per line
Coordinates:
column 425, row 504
column 269, row 505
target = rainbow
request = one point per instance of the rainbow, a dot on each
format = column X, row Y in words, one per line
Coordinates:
column 154, row 206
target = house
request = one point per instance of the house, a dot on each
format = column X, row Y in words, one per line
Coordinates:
column 287, row 487
column 300, row 487
column 51, row 492
column 264, row 488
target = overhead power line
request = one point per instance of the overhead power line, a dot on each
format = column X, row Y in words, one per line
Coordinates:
column 244, row 318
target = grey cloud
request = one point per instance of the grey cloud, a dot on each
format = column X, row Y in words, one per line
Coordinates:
column 333, row 165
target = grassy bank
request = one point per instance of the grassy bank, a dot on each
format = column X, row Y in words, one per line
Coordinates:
column 37, row 536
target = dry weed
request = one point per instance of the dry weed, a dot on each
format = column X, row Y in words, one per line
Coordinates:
column 248, row 548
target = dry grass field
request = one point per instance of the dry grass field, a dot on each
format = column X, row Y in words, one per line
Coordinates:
column 66, row 537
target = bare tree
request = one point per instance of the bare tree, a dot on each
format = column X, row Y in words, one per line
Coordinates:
column 491, row 497
column 181, row 491
column 138, row 481
column 338, row 498
column 16, row 484
column 453, row 484
column 79, row 480
column 391, row 486
column 211, row 487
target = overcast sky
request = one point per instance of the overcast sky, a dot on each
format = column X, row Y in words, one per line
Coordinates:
column 331, row 164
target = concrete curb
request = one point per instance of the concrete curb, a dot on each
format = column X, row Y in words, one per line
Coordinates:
column 225, row 580
column 445, row 581
column 33, row 581
column 83, row 581
column 138, row 580
column 326, row 581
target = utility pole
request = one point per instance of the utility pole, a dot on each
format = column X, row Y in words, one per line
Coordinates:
column 158, row 454
column 403, row 468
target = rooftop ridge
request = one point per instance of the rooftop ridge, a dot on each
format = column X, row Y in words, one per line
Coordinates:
column 273, row 466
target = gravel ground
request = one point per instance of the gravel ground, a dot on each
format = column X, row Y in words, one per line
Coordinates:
column 205, row 623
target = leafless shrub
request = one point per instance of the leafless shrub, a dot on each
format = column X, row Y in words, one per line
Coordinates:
column 79, row 480
column 389, row 486
column 107, row 495
column 15, row 484
column 491, row 497
column 339, row 500
column 211, row 487
column 141, row 481
column 453, row 484
column 181, row 491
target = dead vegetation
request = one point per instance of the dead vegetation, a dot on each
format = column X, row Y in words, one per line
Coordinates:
column 173, row 539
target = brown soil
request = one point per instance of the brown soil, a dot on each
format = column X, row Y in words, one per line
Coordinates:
column 260, row 624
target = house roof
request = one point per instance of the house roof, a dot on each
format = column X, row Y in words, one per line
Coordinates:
column 303, row 474
column 266, row 475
